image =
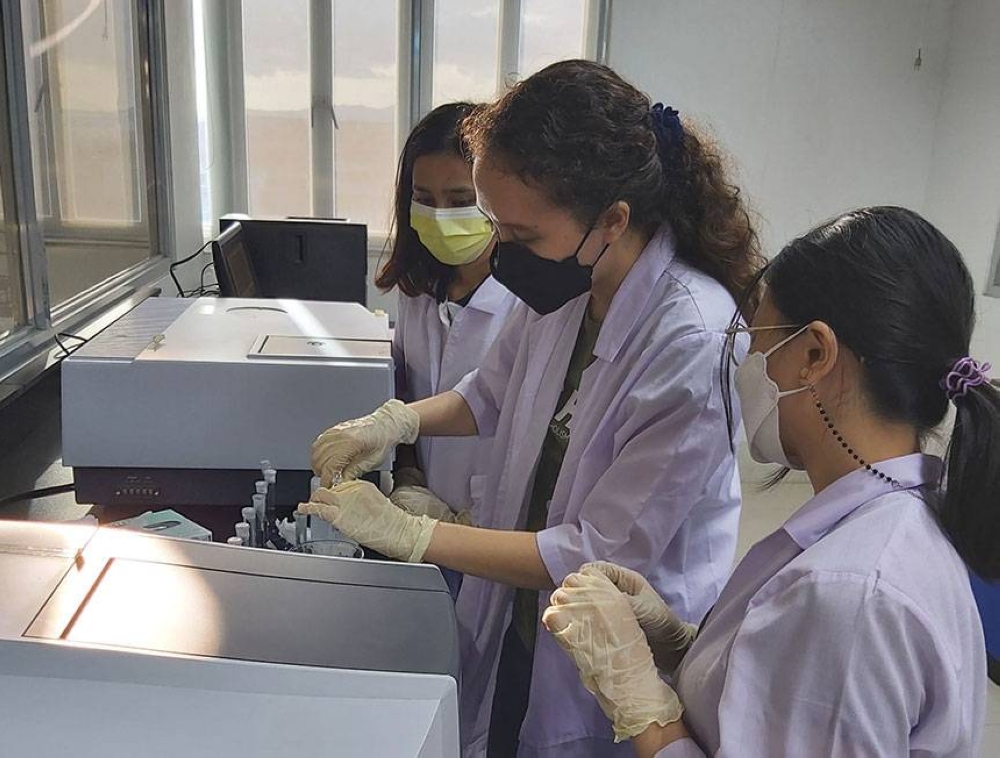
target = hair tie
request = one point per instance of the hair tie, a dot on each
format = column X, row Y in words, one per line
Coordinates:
column 964, row 375
column 668, row 129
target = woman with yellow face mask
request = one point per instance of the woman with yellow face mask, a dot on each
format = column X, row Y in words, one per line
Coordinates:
column 450, row 308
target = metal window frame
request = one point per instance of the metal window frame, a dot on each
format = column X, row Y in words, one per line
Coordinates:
column 993, row 285
column 29, row 351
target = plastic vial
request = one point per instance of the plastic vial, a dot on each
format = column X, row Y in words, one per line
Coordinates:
column 301, row 522
column 271, row 477
column 265, row 465
column 235, row 542
column 243, row 528
column 259, row 506
column 314, row 484
column 261, row 487
column 250, row 518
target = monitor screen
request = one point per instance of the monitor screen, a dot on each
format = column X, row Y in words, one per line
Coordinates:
column 236, row 277
column 240, row 271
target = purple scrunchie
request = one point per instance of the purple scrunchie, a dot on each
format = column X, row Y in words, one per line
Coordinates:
column 964, row 375
column 668, row 128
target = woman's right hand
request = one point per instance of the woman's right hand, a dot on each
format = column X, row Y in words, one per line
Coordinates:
column 353, row 448
column 669, row 637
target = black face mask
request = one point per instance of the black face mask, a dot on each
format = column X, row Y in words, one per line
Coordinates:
column 544, row 285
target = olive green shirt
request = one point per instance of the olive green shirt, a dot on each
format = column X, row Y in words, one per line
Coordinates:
column 525, row 615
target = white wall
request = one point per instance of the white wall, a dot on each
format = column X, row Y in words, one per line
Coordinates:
column 817, row 101
column 964, row 194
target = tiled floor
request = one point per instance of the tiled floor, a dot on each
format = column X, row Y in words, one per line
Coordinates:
column 763, row 512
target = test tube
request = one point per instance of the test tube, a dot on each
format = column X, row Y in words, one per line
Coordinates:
column 301, row 522
column 271, row 501
column 250, row 518
column 243, row 529
column 235, row 542
column 259, row 505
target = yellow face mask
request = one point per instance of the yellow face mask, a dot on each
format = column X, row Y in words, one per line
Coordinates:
column 455, row 236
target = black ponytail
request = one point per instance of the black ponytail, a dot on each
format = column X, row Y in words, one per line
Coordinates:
column 970, row 512
column 898, row 295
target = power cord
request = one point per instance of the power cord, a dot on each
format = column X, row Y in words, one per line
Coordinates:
column 38, row 494
column 67, row 351
column 175, row 264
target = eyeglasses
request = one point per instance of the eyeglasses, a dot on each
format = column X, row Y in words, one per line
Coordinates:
column 733, row 354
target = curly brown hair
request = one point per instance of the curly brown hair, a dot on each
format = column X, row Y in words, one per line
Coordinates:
column 587, row 138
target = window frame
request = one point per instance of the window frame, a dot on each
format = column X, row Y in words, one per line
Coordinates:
column 29, row 350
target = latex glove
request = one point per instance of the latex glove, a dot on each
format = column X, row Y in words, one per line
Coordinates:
column 593, row 622
column 363, row 513
column 408, row 476
column 669, row 637
column 353, row 448
column 420, row 501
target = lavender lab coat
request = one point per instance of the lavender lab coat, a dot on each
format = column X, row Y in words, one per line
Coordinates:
column 850, row 631
column 649, row 480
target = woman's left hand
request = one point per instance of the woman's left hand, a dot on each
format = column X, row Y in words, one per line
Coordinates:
column 592, row 621
column 359, row 510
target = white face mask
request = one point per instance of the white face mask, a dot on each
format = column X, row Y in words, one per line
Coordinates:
column 759, row 397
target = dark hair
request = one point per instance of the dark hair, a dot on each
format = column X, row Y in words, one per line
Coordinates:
column 896, row 292
column 410, row 266
column 588, row 138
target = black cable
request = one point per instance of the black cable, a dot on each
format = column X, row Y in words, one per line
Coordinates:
column 38, row 494
column 59, row 342
column 83, row 341
column 175, row 264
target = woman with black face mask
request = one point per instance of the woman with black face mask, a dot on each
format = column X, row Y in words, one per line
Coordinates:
column 619, row 231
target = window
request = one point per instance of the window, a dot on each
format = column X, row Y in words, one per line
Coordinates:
column 994, row 288
column 320, row 87
column 551, row 30
column 86, row 135
column 466, row 50
column 82, row 158
column 13, row 312
column 326, row 90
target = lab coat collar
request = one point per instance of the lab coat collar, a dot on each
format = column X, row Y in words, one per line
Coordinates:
column 839, row 500
column 489, row 297
column 630, row 301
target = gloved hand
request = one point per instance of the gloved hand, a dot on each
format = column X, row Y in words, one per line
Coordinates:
column 408, row 476
column 593, row 622
column 420, row 501
column 668, row 636
column 353, row 448
column 361, row 512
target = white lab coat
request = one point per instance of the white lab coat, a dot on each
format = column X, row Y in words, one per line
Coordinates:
column 434, row 346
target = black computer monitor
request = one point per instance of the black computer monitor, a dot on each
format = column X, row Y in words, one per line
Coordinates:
column 233, row 267
column 305, row 259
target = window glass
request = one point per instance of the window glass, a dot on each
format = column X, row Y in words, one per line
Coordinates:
column 86, row 132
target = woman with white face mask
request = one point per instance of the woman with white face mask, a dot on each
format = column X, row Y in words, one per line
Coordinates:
column 852, row 629
column 450, row 307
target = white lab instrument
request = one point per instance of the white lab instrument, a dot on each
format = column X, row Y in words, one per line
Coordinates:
column 176, row 401
column 118, row 643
